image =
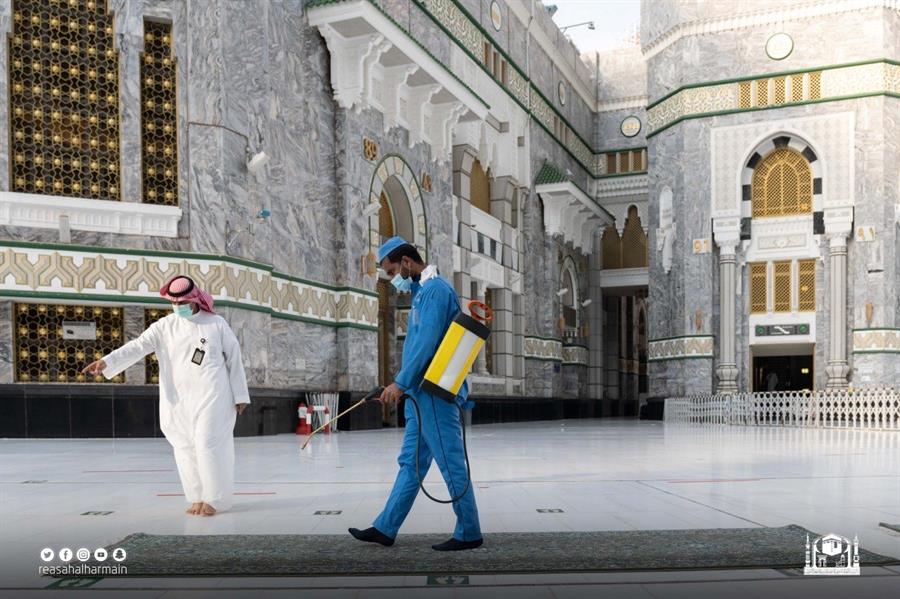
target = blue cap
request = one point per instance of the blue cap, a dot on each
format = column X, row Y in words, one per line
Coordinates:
column 389, row 246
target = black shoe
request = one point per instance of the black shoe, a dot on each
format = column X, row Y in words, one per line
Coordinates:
column 456, row 545
column 371, row 535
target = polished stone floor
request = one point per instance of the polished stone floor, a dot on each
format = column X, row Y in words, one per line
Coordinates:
column 603, row 474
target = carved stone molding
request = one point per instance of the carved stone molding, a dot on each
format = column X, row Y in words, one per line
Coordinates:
column 375, row 64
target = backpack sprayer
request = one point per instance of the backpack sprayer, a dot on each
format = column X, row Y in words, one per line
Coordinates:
column 444, row 377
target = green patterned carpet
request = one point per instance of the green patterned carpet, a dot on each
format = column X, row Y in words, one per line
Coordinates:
column 331, row 555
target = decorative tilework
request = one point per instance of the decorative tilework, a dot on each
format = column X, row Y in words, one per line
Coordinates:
column 679, row 348
column 538, row 348
column 575, row 354
column 836, row 82
column 100, row 274
column 876, row 341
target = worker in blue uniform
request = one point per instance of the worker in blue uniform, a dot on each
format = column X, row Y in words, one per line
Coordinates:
column 434, row 304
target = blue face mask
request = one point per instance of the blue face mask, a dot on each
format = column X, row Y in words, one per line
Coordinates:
column 402, row 284
column 183, row 310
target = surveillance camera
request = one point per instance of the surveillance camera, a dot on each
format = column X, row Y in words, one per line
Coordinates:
column 562, row 291
column 371, row 210
column 257, row 162
column 586, row 303
column 591, row 26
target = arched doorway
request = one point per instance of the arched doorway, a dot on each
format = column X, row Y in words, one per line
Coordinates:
column 400, row 213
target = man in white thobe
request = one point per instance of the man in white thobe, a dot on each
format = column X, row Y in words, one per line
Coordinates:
column 202, row 387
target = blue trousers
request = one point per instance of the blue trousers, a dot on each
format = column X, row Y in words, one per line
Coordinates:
column 441, row 441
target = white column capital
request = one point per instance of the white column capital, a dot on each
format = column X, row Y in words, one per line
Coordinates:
column 838, row 239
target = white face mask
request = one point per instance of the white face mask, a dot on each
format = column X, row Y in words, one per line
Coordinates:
column 402, row 284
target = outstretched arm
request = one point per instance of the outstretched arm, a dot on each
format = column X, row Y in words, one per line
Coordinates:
column 115, row 362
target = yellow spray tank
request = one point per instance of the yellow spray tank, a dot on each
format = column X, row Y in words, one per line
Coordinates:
column 461, row 343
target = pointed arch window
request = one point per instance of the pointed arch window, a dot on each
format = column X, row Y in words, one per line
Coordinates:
column 782, row 185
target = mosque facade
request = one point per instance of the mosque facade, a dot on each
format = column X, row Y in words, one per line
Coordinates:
column 712, row 207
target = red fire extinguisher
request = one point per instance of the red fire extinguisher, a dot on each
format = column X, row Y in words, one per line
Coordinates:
column 304, row 426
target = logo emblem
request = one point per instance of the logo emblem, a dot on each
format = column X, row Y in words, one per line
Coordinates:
column 83, row 554
column 65, row 554
column 119, row 554
column 47, row 554
column 101, row 554
column 832, row 555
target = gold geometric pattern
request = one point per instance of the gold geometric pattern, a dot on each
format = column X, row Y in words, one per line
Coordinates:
column 815, row 85
column 782, row 286
column 876, row 341
column 64, row 99
column 121, row 277
column 539, row 348
column 806, row 285
column 839, row 82
column 42, row 354
column 758, row 304
column 634, row 242
column 158, row 120
column 762, row 92
column 612, row 248
column 675, row 348
column 782, row 185
column 744, row 94
column 797, row 87
column 779, row 90
column 151, row 364
column 575, row 354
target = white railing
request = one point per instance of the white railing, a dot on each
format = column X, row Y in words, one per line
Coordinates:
column 867, row 408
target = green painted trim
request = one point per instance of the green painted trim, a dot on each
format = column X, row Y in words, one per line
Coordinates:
column 562, row 117
column 509, row 60
column 483, row 31
column 701, row 115
column 181, row 255
column 126, row 299
column 616, row 150
column 80, row 297
column 699, row 357
column 679, row 337
column 876, row 351
column 615, row 175
column 770, row 75
column 133, row 252
column 478, row 61
column 317, row 3
column 878, row 329
column 582, row 364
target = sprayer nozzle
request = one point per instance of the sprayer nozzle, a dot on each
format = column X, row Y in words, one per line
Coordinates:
column 374, row 393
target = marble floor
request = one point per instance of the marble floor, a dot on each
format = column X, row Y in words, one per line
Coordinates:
column 604, row 474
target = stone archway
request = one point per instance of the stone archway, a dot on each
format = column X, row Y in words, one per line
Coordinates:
column 394, row 177
column 395, row 189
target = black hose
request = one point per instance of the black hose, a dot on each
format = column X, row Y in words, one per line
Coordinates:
column 462, row 423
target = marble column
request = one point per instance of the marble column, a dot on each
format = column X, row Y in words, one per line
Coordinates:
column 481, row 359
column 595, row 320
column 727, row 371
column 837, row 368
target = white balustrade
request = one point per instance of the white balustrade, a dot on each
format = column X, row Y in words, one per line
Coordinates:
column 863, row 408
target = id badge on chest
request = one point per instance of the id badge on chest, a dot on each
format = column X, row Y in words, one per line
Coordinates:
column 197, row 358
column 199, row 354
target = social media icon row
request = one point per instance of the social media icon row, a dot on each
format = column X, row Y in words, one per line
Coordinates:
column 83, row 554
